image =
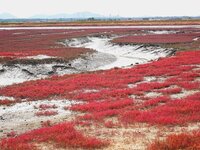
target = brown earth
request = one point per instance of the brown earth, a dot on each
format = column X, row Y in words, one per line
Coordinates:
column 104, row 23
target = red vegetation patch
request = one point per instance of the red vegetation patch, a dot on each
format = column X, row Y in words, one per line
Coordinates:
column 109, row 124
column 180, row 141
column 158, row 38
column 24, row 43
column 170, row 91
column 47, row 106
column 156, row 101
column 102, row 106
column 62, row 135
column 173, row 112
column 119, row 93
column 195, row 96
column 110, row 93
column 46, row 113
column 55, row 52
column 7, row 102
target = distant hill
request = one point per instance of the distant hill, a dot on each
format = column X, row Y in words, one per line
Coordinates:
column 6, row 16
column 82, row 15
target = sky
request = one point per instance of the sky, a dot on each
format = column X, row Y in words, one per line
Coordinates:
column 125, row 8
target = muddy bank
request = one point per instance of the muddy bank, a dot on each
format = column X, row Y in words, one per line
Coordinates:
column 18, row 73
column 125, row 55
column 106, row 55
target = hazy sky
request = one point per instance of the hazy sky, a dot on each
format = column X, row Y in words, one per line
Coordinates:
column 129, row 8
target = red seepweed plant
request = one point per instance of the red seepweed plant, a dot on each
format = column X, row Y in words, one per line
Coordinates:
column 62, row 135
column 178, row 141
column 111, row 94
column 46, row 113
column 158, row 38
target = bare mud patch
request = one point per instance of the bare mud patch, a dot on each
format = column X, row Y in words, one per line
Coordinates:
column 22, row 116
